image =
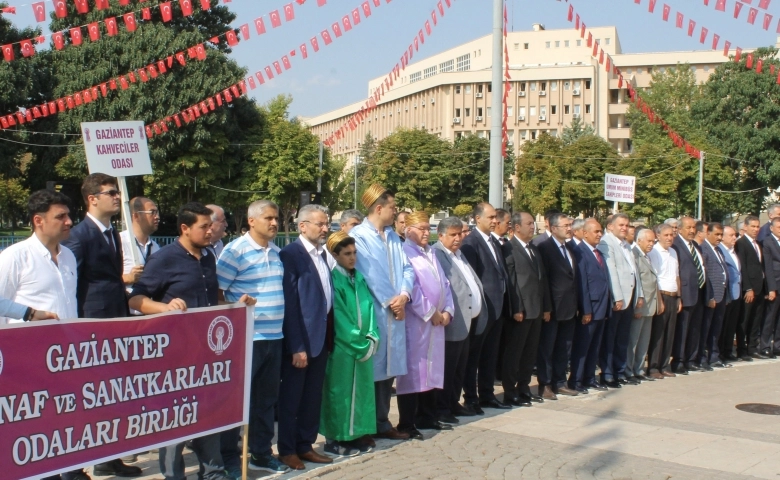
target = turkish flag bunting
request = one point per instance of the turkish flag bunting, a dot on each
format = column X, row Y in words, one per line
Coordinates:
column 146, row 14
column 315, row 44
column 27, row 48
column 76, row 99
column 131, row 76
column 366, row 9
column 244, row 31
column 269, row 73
column 590, row 40
column 142, row 74
column 8, row 52
column 608, row 65
column 601, row 56
column 320, row 3
column 691, row 27
column 205, row 4
column 570, row 15
column 356, row 16
column 200, row 51
column 276, row 21
column 260, row 78
column 59, row 40
column 715, row 40
column 286, row 62
column 345, row 22
column 60, row 8
column 232, row 40
column 39, row 9
column 36, row 112
column 278, row 68
column 436, row 21
column 204, row 109
column 289, row 12
column 759, row 65
column 53, row 107
column 161, row 66
column 667, row 10
column 620, row 81
column 94, row 31
column 101, row 4
column 259, row 25
column 737, row 9
column 749, row 62
column 242, row 87
column 180, row 58
column 428, row 27
column 4, row 122
column 177, row 120
column 21, row 119
column 582, row 30
column 75, row 35
column 720, row 5
column 149, row 133
column 191, row 53
column 767, row 21
column 130, row 22
column 421, row 36
column 752, row 14
column 111, row 27
column 336, row 29
column 68, row 102
column 166, row 11
column 186, row 7
column 252, row 84
column 211, row 104
column 577, row 22
column 703, row 35
column 234, row 89
column 764, row 4
column 81, row 6
column 124, row 2
column 441, row 8
column 164, row 125
column 326, row 37
column 726, row 48
column 651, row 7
column 304, row 51
column 746, row 1
column 104, row 89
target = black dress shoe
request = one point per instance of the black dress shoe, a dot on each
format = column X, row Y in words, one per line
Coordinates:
column 730, row 357
column 116, row 468
column 759, row 356
column 581, row 390
column 613, row 384
column 771, row 355
column 632, row 381
column 435, row 425
column 645, row 378
column 746, row 358
column 448, row 418
column 517, row 401
column 494, row 403
column 680, row 371
column 598, row 386
column 622, row 381
column 694, row 368
column 475, row 408
column 461, row 411
column 706, row 367
column 531, row 397
column 413, row 433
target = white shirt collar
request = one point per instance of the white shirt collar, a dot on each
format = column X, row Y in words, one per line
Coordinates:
column 38, row 245
column 484, row 236
column 100, row 225
column 524, row 244
column 253, row 243
column 310, row 247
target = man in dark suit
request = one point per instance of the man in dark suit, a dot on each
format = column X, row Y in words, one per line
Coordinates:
column 772, row 212
column 483, row 253
column 692, row 282
column 546, row 234
column 308, row 301
column 100, row 291
column 753, row 291
column 770, row 334
column 734, row 306
column 557, row 334
column 594, row 302
column 715, row 298
column 529, row 306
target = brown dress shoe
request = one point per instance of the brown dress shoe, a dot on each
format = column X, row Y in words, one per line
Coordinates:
column 367, row 440
column 657, row 376
column 548, row 393
column 292, row 461
column 314, row 457
column 668, row 374
column 567, row 391
column 392, row 434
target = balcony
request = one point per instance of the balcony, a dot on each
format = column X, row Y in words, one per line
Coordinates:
column 617, row 108
column 617, row 133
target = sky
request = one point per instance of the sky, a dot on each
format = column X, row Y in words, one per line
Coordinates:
column 339, row 73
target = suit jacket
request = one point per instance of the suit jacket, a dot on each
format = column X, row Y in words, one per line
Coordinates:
column 561, row 279
column 734, row 291
column 689, row 276
column 717, row 281
column 593, row 284
column 490, row 271
column 529, row 292
column 539, row 239
column 649, row 280
column 622, row 281
column 752, row 268
column 764, row 232
column 100, row 292
column 772, row 263
column 305, row 325
column 458, row 329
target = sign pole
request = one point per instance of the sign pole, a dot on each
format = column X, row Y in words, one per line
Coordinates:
column 245, row 455
column 127, row 217
column 615, row 209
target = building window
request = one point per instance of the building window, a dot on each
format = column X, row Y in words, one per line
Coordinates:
column 429, row 72
column 532, row 111
column 457, row 88
column 546, row 44
column 577, row 110
column 509, row 112
column 628, row 71
column 553, row 109
column 488, row 111
column 566, row 85
column 565, row 109
column 533, row 134
column 587, row 108
column 467, row 111
column 479, row 88
column 479, row 111
column 517, row 46
column 587, row 84
column 553, row 85
column 543, row 110
column 557, row 44
column 468, row 89
column 577, row 85
column 523, row 134
column 706, row 68
column 457, row 112
column 464, row 62
column 521, row 112
column 566, row 43
column 522, row 86
column 490, row 87
column 525, row 46
column 553, row 133
column 543, row 86
column 579, row 43
column 447, row 66
column 533, row 86
column 607, row 40
column 415, row 77
column 638, row 70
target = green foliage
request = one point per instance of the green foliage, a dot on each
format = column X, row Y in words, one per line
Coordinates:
column 462, row 210
column 575, row 130
column 13, row 199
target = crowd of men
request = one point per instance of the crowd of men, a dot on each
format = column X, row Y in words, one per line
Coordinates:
column 344, row 321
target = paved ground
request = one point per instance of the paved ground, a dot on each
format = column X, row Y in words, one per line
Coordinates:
column 679, row 428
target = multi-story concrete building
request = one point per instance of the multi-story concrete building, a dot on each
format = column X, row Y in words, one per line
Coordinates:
column 554, row 80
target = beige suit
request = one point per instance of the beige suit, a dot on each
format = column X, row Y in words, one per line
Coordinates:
column 639, row 338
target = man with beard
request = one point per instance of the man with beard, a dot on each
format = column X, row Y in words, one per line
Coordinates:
column 146, row 219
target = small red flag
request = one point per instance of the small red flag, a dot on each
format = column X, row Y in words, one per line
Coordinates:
column 345, row 22
column 336, row 29
column 27, row 48
column 124, row 3
column 356, row 16
column 81, row 6
column 75, row 35
column 165, row 10
column 131, row 76
column 759, row 66
column 60, row 8
column 366, row 9
column 200, row 51
column 205, row 4
column 326, row 37
column 252, row 84
column 726, row 48
column 749, row 62
column 39, row 9
column 180, row 58
column 304, row 51
column 111, row 27
column 104, row 89
column 269, row 73
column 101, row 4
column 177, row 120
column 260, row 80
column 691, row 27
column 315, row 44
column 752, row 14
column 244, row 31
column 59, row 40
column 767, row 21
column 667, row 10
column 276, row 21
column 77, row 99
column 259, row 25
column 146, row 13
column 438, row 5
column 570, row 15
column 720, row 5
column 234, row 89
column 428, row 27
column 436, row 21
column 161, row 66
column 242, row 87
column 651, row 7
column 8, row 53
column 130, row 22
column 764, row 4
column 142, row 75
column 703, row 34
column 4, row 122
column 232, row 40
column 278, row 68
column 320, row 3
column 590, row 39
column 94, row 31
column 715, row 40
column 737, row 9
column 286, row 62
column 186, row 7
column 289, row 12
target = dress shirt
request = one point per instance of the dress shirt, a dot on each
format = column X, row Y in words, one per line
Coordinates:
column 500, row 240
column 487, row 239
column 530, row 253
column 576, row 240
column 218, row 247
column 563, row 251
column 755, row 247
column 596, row 254
column 625, row 248
column 127, row 252
column 28, row 275
column 10, row 309
column 733, row 254
column 463, row 266
column 666, row 266
column 323, row 268
column 103, row 228
column 689, row 246
column 717, row 255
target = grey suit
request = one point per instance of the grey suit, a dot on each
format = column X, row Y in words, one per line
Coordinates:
column 456, row 334
column 715, row 287
column 639, row 337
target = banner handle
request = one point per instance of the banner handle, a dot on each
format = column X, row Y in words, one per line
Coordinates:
column 245, row 455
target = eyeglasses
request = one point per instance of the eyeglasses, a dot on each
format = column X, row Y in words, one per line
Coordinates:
column 154, row 213
column 110, row 193
column 316, row 224
column 427, row 230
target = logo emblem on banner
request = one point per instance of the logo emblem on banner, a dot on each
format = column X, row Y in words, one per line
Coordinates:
column 1, row 362
column 220, row 335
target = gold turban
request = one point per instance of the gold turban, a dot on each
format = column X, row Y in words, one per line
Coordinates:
column 417, row 217
column 336, row 238
column 372, row 194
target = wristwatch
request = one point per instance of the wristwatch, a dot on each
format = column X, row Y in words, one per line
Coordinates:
column 28, row 315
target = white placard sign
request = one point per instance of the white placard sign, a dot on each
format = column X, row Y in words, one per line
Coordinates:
column 118, row 149
column 619, row 188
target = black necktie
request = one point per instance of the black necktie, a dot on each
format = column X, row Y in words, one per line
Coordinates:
column 565, row 255
column 110, row 239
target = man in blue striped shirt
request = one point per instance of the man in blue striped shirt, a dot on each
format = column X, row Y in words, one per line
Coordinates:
column 251, row 265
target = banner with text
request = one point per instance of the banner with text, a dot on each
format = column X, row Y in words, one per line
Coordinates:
column 619, row 188
column 116, row 148
column 75, row 393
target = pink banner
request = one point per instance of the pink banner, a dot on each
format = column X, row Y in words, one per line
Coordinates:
column 75, row 393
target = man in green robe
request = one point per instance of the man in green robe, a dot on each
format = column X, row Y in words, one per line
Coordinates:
column 348, row 410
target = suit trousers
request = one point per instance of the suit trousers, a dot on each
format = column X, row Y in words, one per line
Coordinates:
column 481, row 364
column 731, row 318
column 770, row 334
column 300, row 399
column 711, row 325
column 662, row 333
column 638, row 341
column 455, row 356
column 552, row 359
column 614, row 345
column 417, row 408
column 522, row 343
column 206, row 449
column 749, row 327
column 383, row 392
column 585, row 352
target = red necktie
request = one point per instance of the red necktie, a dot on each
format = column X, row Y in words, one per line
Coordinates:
column 598, row 257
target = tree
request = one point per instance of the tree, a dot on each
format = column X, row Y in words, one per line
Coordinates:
column 538, row 177
column 469, row 178
column 582, row 170
column 575, row 130
column 13, row 199
column 463, row 210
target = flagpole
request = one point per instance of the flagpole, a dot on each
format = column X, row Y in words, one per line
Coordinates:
column 496, row 191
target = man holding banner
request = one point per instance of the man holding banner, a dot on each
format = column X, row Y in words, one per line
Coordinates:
column 183, row 275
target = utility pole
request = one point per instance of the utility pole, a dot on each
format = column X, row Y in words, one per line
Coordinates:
column 701, row 184
column 319, row 180
column 496, row 191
